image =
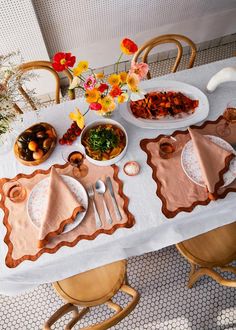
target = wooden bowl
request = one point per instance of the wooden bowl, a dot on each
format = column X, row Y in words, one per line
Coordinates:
column 45, row 156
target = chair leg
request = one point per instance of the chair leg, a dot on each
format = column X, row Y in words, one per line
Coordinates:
column 195, row 274
column 113, row 306
column 59, row 313
column 120, row 313
column 75, row 319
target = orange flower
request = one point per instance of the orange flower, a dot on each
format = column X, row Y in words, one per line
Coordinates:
column 116, row 91
column 123, row 98
column 92, row 95
column 128, row 47
column 99, row 75
column 114, row 79
column 123, row 76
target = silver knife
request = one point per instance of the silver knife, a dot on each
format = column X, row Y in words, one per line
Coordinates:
column 110, row 187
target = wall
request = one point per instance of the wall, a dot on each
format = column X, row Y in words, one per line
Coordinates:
column 20, row 30
column 92, row 29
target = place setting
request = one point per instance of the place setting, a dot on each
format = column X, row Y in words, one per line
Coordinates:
column 195, row 166
column 60, row 206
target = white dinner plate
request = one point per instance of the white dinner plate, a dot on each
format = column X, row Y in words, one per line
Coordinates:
column 200, row 113
column 38, row 197
column 191, row 166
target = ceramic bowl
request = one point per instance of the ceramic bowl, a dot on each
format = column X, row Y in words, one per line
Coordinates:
column 110, row 161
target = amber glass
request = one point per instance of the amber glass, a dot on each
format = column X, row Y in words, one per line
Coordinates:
column 223, row 130
column 167, row 147
column 76, row 159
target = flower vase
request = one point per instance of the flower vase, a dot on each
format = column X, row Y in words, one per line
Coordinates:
column 108, row 114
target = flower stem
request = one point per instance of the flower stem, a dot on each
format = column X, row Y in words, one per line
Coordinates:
column 86, row 112
column 118, row 61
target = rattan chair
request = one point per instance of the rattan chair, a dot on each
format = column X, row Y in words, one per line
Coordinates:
column 214, row 249
column 93, row 288
column 163, row 39
column 42, row 65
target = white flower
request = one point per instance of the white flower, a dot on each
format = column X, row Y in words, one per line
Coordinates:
column 139, row 94
column 75, row 82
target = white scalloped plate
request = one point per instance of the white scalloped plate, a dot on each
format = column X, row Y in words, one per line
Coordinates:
column 38, row 197
column 193, row 92
column 191, row 166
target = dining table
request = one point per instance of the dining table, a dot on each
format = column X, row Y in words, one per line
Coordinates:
column 152, row 230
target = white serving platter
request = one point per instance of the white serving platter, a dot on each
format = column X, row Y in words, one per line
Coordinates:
column 193, row 92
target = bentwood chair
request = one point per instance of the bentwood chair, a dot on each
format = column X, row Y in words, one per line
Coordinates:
column 42, row 65
column 93, row 288
column 165, row 39
column 214, row 249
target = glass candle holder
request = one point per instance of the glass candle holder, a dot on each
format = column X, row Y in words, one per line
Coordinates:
column 14, row 191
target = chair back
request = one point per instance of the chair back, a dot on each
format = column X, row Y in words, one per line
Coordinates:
column 163, row 39
column 42, row 65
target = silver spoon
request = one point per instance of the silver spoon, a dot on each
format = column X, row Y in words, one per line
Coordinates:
column 100, row 188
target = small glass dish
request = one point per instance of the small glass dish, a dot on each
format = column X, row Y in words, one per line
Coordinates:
column 76, row 159
column 167, row 147
column 14, row 191
column 223, row 130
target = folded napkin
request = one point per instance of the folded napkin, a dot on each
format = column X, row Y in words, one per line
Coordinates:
column 62, row 208
column 214, row 161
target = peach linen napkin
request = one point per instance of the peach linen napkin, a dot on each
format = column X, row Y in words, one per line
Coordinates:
column 213, row 160
column 62, row 208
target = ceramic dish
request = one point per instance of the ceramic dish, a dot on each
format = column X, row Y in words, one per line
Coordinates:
column 38, row 196
column 201, row 112
column 109, row 161
column 191, row 166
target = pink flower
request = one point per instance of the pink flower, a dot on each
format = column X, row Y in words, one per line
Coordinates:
column 95, row 106
column 141, row 69
column 90, row 83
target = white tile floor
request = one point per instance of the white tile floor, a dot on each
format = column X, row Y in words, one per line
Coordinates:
column 160, row 277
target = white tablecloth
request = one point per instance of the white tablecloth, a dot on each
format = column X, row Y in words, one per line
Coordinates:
column 152, row 230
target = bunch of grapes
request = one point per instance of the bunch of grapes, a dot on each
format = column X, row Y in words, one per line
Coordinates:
column 71, row 135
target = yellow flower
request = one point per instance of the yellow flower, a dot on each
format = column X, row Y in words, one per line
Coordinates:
column 81, row 67
column 92, row 95
column 108, row 104
column 99, row 75
column 123, row 98
column 123, row 76
column 114, row 79
column 132, row 82
column 78, row 117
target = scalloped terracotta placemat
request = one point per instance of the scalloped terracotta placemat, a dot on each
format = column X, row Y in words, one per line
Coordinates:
column 176, row 191
column 22, row 235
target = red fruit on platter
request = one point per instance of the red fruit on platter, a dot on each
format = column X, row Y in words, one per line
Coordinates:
column 62, row 141
column 71, row 134
column 78, row 132
column 73, row 137
column 74, row 125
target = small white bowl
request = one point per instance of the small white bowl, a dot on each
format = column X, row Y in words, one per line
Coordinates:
column 110, row 161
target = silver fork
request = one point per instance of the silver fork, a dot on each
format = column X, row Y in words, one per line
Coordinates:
column 96, row 214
